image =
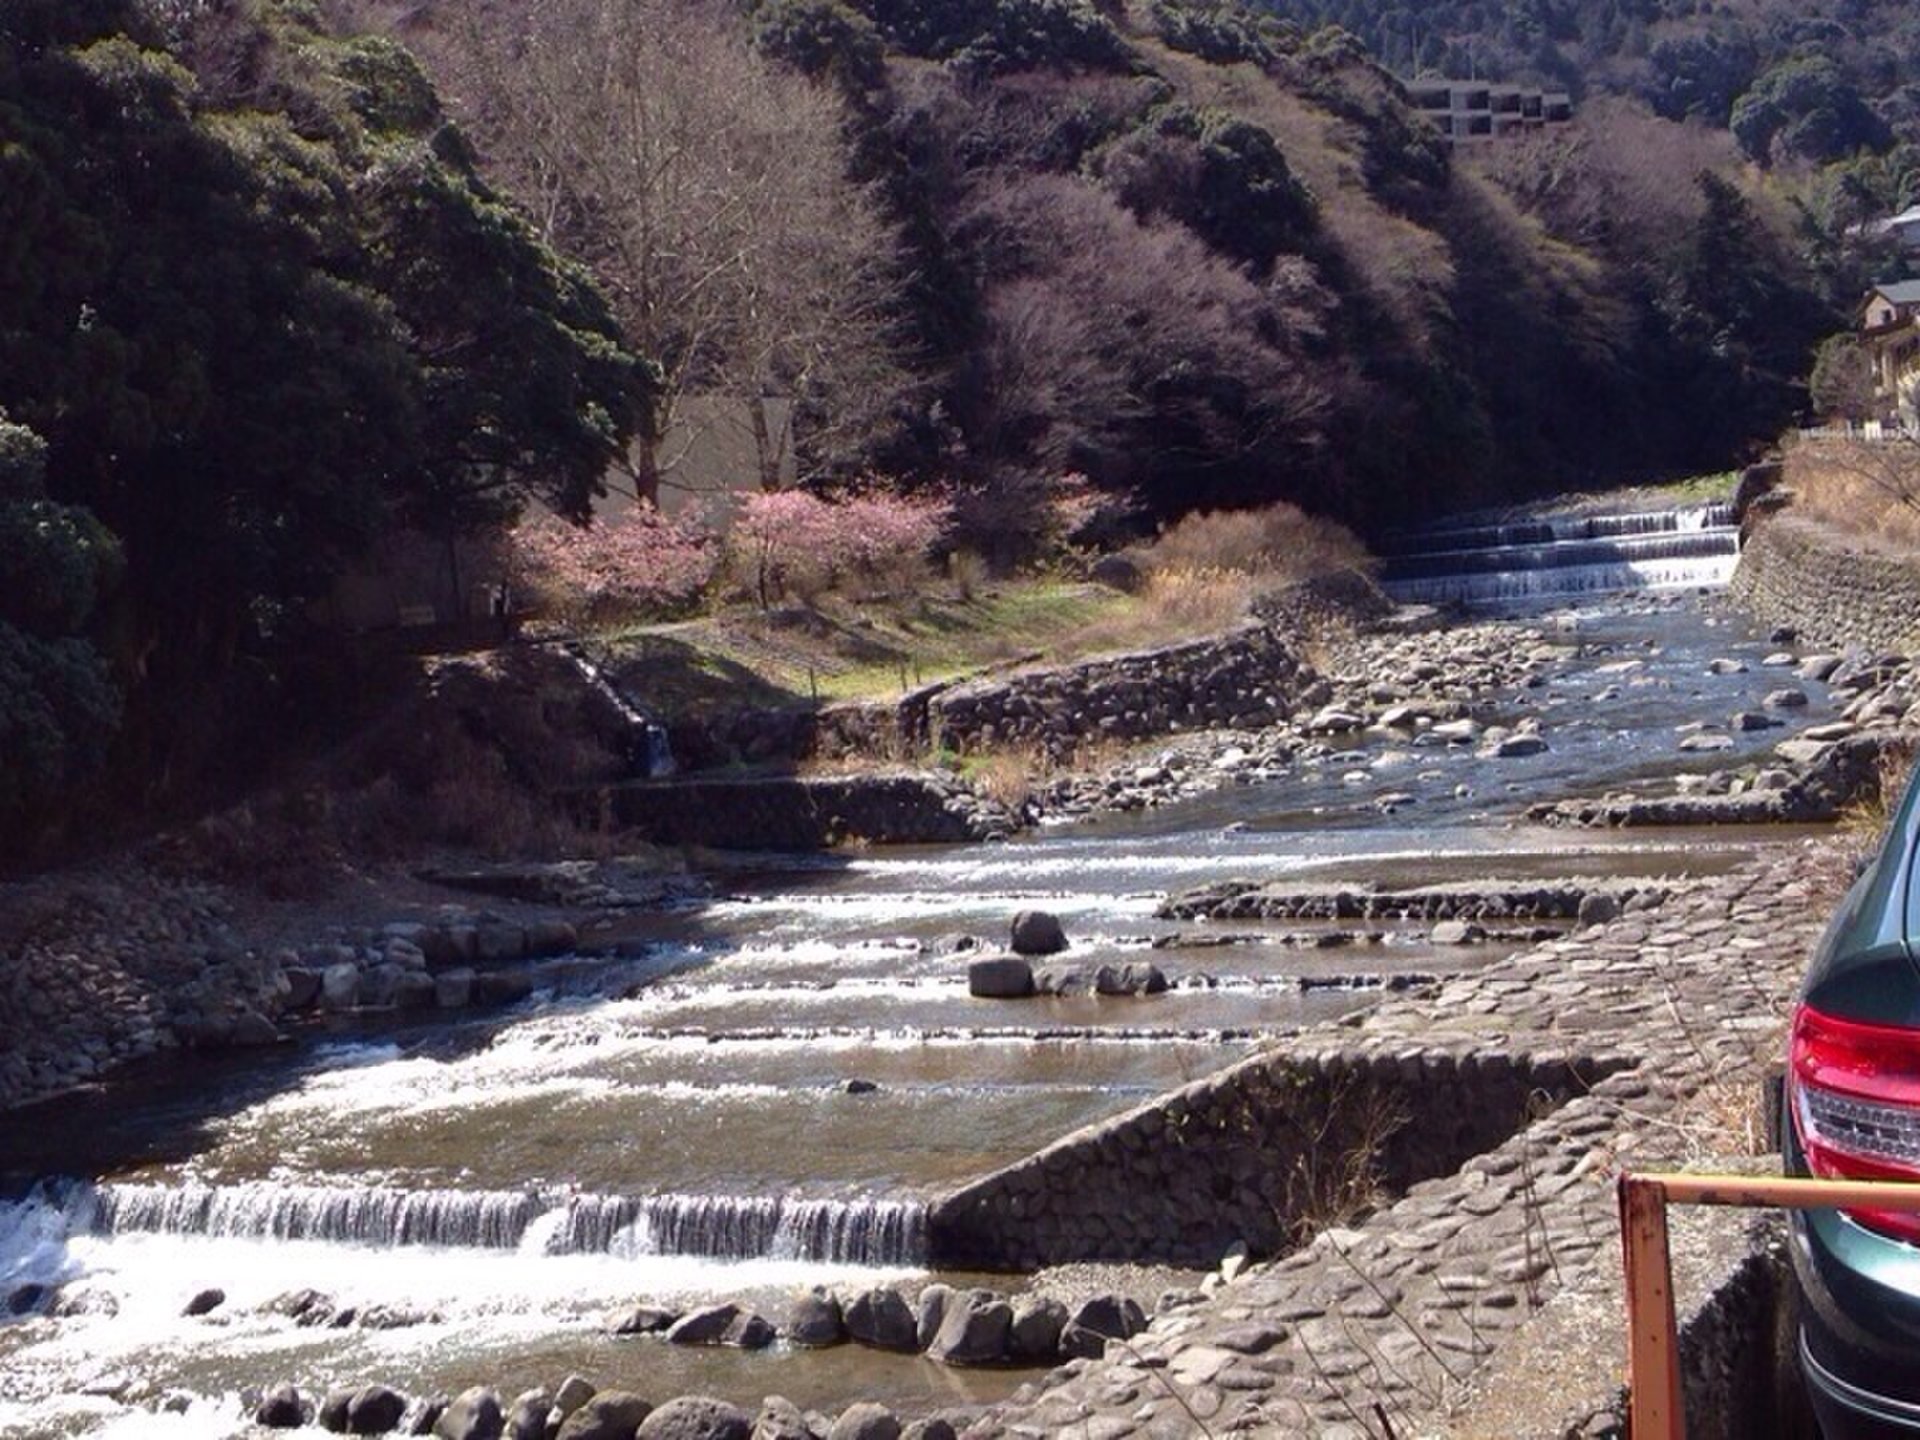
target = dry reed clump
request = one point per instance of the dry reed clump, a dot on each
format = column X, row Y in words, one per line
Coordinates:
column 1870, row 490
column 1174, row 605
column 1279, row 544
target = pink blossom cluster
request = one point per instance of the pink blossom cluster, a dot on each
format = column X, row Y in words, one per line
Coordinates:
column 635, row 562
column 795, row 541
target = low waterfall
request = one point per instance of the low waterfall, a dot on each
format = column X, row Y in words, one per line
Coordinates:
column 863, row 1232
column 1564, row 556
column 650, row 752
column 556, row 1222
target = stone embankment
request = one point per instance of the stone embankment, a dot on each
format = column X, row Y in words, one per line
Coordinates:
column 1427, row 687
column 1255, row 1157
column 1591, row 899
column 1835, row 590
column 1246, row 679
column 129, row 964
column 786, row 812
column 1673, row 1013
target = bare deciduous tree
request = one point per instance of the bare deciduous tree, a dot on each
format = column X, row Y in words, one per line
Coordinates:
column 708, row 189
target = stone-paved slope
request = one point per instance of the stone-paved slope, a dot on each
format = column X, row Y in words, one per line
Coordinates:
column 1393, row 1317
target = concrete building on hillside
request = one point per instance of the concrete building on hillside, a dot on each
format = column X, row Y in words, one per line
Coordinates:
column 1903, row 228
column 1476, row 111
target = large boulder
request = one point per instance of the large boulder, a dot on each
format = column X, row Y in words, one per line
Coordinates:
column 474, row 1415
column 644, row 1320
column 880, row 1318
column 1004, row 977
column 574, row 1392
column 340, row 986
column 280, row 1409
column 527, row 1420
column 610, row 1415
column 865, row 1421
column 814, row 1321
column 696, row 1417
column 205, row 1302
column 1035, row 932
column 1098, row 1320
column 375, row 1410
column 931, row 1311
column 332, row 1414
column 1037, row 1323
column 781, row 1419
column 1136, row 977
column 725, row 1324
column 974, row 1331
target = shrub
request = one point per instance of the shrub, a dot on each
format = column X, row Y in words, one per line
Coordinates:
column 636, row 563
column 791, row 542
column 1278, row 543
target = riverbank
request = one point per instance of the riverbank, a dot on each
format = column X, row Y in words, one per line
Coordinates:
column 820, row 1018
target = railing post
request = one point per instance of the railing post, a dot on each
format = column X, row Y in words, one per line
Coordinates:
column 1653, row 1351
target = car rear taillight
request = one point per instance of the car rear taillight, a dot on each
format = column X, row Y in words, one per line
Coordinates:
column 1854, row 1089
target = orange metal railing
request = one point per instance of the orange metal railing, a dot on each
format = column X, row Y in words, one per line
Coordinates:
column 1653, row 1351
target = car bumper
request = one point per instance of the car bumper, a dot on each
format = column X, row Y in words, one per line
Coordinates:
column 1859, row 1314
column 1850, row 1412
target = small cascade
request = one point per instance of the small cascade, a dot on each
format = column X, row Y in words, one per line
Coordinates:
column 1551, row 529
column 718, row 1227
column 649, row 749
column 724, row 1227
column 1564, row 556
column 476, row 1219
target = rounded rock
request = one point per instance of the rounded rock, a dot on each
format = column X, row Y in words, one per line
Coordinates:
column 696, row 1417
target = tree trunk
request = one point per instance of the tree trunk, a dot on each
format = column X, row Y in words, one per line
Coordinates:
column 763, row 444
column 646, row 470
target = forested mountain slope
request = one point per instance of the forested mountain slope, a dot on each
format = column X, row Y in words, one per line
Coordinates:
column 262, row 299
column 1815, row 81
column 1199, row 255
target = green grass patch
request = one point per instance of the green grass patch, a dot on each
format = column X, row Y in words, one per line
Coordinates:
column 844, row 650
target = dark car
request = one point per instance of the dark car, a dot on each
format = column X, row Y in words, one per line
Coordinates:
column 1852, row 1111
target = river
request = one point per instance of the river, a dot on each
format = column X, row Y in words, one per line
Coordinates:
column 481, row 1193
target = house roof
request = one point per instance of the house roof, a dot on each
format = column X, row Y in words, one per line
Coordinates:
column 1901, row 292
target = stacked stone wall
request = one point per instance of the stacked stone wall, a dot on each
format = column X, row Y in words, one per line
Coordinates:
column 795, row 813
column 1278, row 1144
column 1795, row 572
column 1246, row 679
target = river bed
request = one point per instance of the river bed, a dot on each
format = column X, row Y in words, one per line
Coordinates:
column 681, row 1125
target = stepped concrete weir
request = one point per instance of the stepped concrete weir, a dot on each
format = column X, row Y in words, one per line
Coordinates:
column 1563, row 557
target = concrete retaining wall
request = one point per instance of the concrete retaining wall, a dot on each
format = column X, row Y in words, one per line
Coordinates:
column 1278, row 1142
column 1796, row 572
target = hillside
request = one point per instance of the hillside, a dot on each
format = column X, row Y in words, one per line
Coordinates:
column 1796, row 84
column 274, row 289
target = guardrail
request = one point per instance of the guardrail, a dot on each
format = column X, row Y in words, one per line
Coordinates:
column 1654, row 1407
column 1872, row 432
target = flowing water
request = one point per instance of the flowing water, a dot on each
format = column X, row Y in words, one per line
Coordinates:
column 1501, row 562
column 482, row 1192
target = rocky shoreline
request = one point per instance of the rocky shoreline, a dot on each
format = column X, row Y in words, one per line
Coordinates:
column 959, row 1328
column 126, row 963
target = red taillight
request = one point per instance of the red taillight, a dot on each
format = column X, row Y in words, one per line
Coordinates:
column 1854, row 1090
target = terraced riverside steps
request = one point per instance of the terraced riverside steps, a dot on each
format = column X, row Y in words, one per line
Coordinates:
column 1405, row 1311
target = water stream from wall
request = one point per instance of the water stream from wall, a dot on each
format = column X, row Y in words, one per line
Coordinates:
column 768, row 1097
